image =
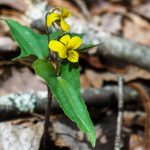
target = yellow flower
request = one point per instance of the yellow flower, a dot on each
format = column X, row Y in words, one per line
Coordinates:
column 59, row 18
column 66, row 47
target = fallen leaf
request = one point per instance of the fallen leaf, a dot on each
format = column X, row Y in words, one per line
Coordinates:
column 13, row 137
column 137, row 29
column 111, row 23
column 16, row 4
column 85, row 83
column 7, row 44
column 22, row 80
column 129, row 73
column 108, row 8
column 93, row 61
column 134, row 118
column 143, row 10
column 136, row 142
column 64, row 3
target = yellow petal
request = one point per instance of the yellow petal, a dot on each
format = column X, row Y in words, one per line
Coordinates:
column 51, row 18
column 64, row 25
column 74, row 43
column 62, row 54
column 73, row 56
column 58, row 47
column 65, row 39
column 65, row 13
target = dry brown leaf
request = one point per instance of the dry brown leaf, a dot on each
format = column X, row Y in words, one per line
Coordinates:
column 85, row 83
column 16, row 4
column 14, row 137
column 3, row 28
column 94, row 78
column 129, row 73
column 67, row 137
column 1, row 71
column 111, row 23
column 137, row 2
column 25, row 122
column 94, row 61
column 143, row 10
column 21, row 81
column 139, row 21
column 7, row 44
column 131, row 117
column 137, row 29
column 133, row 73
column 15, row 15
column 64, row 3
column 108, row 8
column 136, row 142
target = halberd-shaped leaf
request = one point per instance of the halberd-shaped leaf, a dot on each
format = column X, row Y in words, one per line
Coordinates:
column 30, row 42
column 66, row 90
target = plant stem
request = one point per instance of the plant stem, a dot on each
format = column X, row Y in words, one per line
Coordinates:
column 45, row 137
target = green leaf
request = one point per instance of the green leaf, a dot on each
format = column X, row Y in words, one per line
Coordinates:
column 85, row 47
column 70, row 71
column 76, row 34
column 58, row 34
column 31, row 43
column 66, row 90
column 55, row 35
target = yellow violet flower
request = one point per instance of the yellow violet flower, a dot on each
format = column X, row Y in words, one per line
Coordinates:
column 66, row 47
column 59, row 18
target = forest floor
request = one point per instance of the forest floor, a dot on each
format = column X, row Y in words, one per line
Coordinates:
column 123, row 28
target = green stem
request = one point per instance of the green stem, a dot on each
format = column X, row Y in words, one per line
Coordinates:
column 58, row 61
column 45, row 137
column 54, row 26
column 58, row 65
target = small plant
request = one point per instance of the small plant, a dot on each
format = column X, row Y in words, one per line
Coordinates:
column 57, row 55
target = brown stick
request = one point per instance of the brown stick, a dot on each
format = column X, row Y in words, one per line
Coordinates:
column 118, row 141
column 25, row 103
column 84, row 9
column 125, row 50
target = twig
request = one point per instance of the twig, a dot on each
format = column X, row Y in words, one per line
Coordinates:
column 124, row 50
column 118, row 144
column 6, row 63
column 17, row 104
